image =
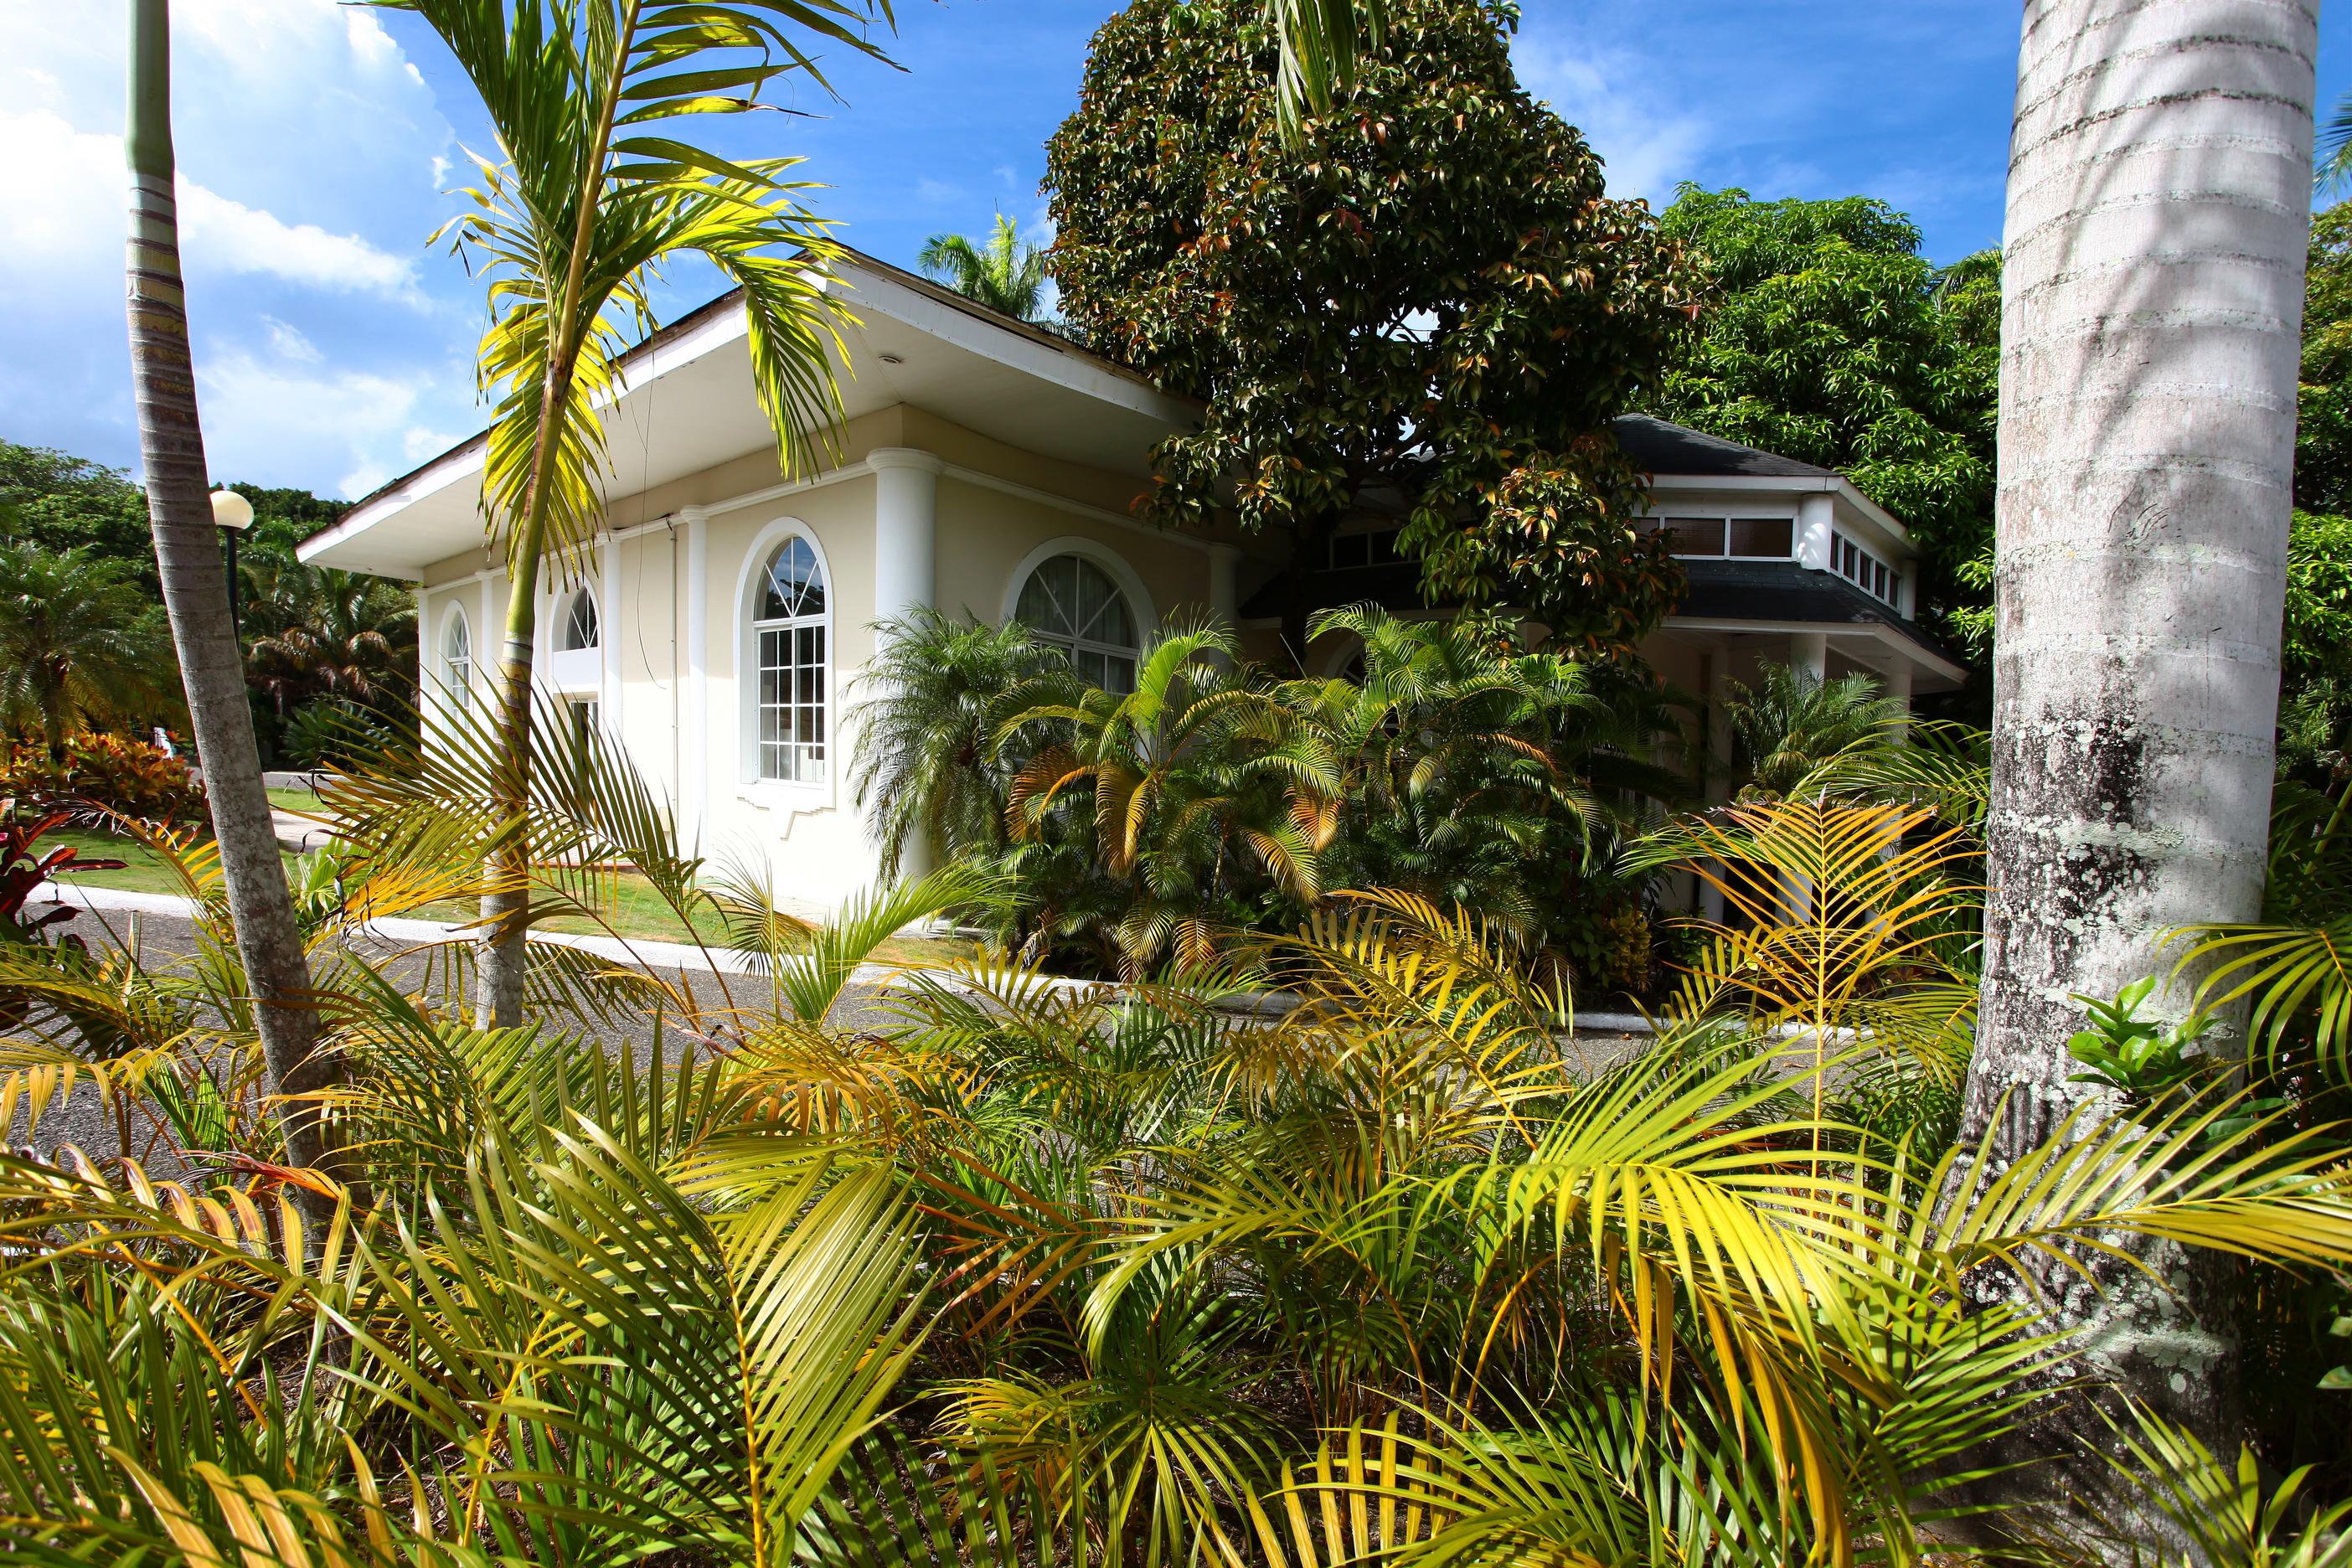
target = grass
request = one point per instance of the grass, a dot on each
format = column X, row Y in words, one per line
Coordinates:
column 636, row 911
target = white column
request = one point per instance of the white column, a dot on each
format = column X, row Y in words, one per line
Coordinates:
column 1711, row 902
column 1816, row 518
column 608, row 635
column 1809, row 651
column 1906, row 598
column 1898, row 682
column 694, row 710
column 906, row 558
column 905, row 529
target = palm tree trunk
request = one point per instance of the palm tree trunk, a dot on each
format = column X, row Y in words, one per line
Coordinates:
column 2158, row 214
column 187, row 558
column 506, row 907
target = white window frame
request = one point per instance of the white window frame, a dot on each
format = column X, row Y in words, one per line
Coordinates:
column 458, row 696
column 802, row 793
column 1656, row 521
column 1114, row 565
column 1862, row 577
column 567, row 612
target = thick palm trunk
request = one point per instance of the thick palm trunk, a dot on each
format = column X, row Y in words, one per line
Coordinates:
column 2158, row 206
column 188, row 560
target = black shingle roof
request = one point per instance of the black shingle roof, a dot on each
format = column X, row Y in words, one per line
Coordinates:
column 1659, row 447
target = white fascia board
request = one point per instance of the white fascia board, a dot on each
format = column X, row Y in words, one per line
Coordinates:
column 1886, row 635
column 435, row 476
column 1076, row 372
column 1837, row 485
column 723, row 328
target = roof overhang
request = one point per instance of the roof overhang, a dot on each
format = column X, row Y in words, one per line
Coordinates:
column 684, row 402
column 1874, row 642
column 1837, row 485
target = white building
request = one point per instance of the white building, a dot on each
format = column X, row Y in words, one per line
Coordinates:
column 990, row 466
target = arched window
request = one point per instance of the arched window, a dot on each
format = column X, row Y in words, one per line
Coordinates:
column 791, row 620
column 1072, row 603
column 458, row 659
column 578, row 630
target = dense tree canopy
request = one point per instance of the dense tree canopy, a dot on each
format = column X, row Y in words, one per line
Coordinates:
column 2316, row 701
column 58, row 501
column 1829, row 338
column 1426, row 299
column 307, row 632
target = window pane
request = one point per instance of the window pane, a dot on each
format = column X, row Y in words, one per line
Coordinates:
column 1762, row 537
column 795, row 584
column 1351, row 549
column 1693, row 536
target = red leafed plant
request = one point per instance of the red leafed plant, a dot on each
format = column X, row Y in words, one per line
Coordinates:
column 23, row 868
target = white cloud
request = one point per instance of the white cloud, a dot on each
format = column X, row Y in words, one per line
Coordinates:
column 936, row 193
column 306, row 138
column 246, row 240
column 1648, row 141
column 256, row 409
column 288, row 341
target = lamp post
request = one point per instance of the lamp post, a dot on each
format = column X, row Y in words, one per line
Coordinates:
column 233, row 514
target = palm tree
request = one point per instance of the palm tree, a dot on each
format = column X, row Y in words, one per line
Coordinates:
column 1795, row 722
column 195, row 595
column 928, row 766
column 2148, row 408
column 1005, row 275
column 79, row 643
column 342, row 633
column 1188, row 785
column 593, row 192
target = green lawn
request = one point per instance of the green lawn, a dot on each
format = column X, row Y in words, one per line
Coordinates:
column 637, row 910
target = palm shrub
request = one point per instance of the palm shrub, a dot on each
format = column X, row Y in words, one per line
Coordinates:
column 1793, row 722
column 1121, row 1275
column 1201, row 798
column 1476, row 772
column 930, row 768
column 80, row 646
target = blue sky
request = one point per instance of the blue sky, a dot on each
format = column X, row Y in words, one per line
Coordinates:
column 334, row 350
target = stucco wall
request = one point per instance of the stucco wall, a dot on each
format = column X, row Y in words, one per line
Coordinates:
column 685, row 709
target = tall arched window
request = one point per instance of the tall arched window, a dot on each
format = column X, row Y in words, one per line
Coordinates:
column 578, row 628
column 1072, row 603
column 458, row 660
column 792, row 619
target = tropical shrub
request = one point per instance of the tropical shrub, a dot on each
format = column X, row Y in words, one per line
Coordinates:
column 1036, row 1273
column 111, row 773
column 1213, row 802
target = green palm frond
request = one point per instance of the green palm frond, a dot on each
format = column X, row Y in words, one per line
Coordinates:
column 1322, row 40
column 2229, row 1513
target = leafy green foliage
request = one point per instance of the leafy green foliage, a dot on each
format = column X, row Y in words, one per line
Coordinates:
column 927, row 764
column 60, row 502
column 1825, row 336
column 1793, row 723
column 1211, row 801
column 2145, row 1059
column 1423, row 292
column 1396, row 1271
column 1002, row 272
column 81, row 646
